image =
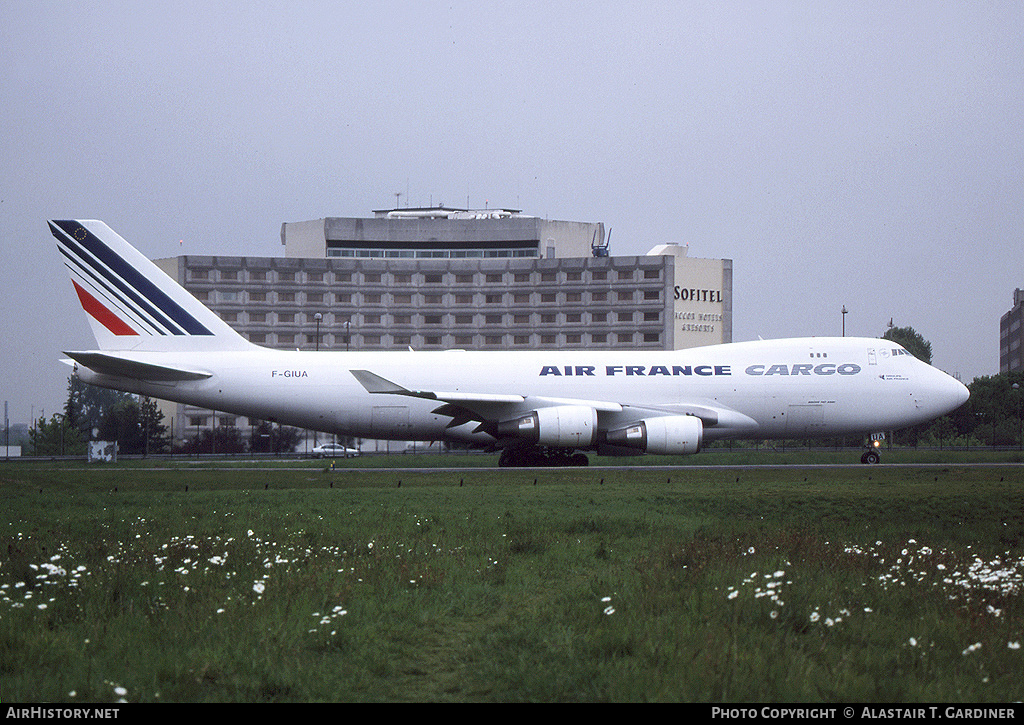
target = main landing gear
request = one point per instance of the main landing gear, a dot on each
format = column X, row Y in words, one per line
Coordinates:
column 870, row 456
column 540, row 456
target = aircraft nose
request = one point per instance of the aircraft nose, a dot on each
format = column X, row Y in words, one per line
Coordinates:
column 956, row 393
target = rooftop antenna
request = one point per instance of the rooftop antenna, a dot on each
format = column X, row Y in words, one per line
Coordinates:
column 398, row 195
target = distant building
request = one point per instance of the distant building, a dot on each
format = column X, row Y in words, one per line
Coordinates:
column 441, row 233
column 450, row 278
column 1010, row 335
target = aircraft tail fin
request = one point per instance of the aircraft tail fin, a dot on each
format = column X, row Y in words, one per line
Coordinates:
column 131, row 303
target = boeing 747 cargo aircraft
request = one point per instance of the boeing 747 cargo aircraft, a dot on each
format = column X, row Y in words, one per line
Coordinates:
column 537, row 407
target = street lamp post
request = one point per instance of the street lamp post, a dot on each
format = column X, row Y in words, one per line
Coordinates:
column 1020, row 417
column 844, row 320
column 318, row 316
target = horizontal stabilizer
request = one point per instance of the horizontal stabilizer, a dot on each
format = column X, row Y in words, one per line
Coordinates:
column 107, row 364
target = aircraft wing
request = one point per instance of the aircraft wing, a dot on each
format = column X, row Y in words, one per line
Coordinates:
column 125, row 367
column 489, row 409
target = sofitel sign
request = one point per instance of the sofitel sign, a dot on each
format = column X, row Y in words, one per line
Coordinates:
column 689, row 294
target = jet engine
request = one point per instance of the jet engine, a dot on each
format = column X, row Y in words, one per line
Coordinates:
column 560, row 426
column 668, row 435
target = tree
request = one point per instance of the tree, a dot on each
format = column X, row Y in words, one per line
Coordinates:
column 910, row 339
column 55, row 437
column 223, row 440
column 87, row 405
column 136, row 425
column 995, row 409
column 270, row 438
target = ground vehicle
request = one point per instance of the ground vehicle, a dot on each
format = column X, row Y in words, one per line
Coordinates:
column 334, row 450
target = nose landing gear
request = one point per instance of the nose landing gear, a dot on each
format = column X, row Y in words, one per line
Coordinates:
column 871, row 454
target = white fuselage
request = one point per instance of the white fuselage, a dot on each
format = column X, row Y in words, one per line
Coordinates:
column 763, row 389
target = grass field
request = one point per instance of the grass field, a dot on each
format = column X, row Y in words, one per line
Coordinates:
column 185, row 584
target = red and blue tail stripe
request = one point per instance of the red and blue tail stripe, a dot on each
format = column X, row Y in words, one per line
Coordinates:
column 114, row 292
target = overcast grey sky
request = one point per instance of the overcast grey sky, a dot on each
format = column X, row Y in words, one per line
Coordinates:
column 866, row 154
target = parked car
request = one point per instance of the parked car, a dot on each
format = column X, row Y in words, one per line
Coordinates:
column 334, row 450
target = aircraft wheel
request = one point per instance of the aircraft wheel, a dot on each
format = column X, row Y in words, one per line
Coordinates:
column 870, row 457
column 579, row 459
